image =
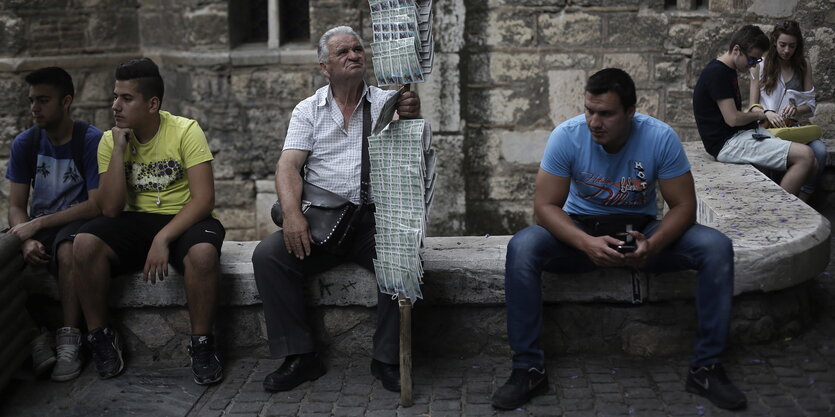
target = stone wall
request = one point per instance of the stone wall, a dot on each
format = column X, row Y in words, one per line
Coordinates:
column 505, row 73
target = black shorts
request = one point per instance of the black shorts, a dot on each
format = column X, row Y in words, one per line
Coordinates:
column 130, row 236
column 53, row 236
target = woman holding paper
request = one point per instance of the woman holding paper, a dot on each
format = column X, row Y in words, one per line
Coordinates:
column 782, row 84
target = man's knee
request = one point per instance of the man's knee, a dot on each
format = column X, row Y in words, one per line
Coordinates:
column 202, row 258
column 64, row 255
column 87, row 246
column 801, row 154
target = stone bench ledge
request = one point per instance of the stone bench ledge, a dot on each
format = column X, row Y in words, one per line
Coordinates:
column 778, row 240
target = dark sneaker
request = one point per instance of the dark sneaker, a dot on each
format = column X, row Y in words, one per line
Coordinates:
column 522, row 385
column 295, row 370
column 204, row 362
column 388, row 374
column 712, row 383
column 107, row 352
column 43, row 357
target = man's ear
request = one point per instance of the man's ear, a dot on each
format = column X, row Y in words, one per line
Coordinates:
column 324, row 69
column 154, row 104
column 630, row 112
column 66, row 103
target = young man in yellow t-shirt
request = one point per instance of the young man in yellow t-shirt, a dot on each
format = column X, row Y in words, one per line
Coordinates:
column 156, row 192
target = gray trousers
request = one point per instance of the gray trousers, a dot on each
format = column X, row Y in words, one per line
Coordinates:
column 280, row 277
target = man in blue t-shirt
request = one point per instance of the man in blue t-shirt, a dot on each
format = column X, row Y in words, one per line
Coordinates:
column 52, row 170
column 734, row 136
column 598, row 177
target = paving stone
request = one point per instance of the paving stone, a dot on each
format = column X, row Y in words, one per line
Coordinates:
column 603, row 388
column 340, row 411
column 444, row 405
column 282, row 409
column 577, row 404
column 294, row 397
column 352, row 401
column 246, row 408
column 314, row 407
column 446, row 393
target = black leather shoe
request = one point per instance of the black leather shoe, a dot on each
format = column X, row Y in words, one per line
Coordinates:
column 389, row 375
column 295, row 370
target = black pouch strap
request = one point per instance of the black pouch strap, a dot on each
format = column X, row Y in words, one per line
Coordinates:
column 365, row 165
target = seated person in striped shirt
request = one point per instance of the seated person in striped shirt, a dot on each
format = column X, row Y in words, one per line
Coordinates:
column 325, row 136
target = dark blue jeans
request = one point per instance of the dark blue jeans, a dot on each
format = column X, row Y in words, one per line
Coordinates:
column 535, row 249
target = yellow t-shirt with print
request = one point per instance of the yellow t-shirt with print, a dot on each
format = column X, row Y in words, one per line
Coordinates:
column 156, row 171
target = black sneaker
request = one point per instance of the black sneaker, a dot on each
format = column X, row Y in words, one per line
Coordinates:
column 107, row 351
column 712, row 383
column 522, row 385
column 204, row 362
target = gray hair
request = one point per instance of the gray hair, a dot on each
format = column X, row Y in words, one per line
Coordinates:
column 339, row 30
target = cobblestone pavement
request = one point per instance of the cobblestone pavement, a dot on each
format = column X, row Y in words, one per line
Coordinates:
column 787, row 378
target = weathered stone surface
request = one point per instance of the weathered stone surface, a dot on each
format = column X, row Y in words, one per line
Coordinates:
column 624, row 28
column 173, row 36
column 203, row 24
column 448, row 26
column 237, row 218
column 448, row 211
column 568, row 61
column 569, row 29
column 773, row 9
column 648, row 340
column 524, row 147
column 264, row 225
column 820, row 42
column 149, row 327
column 268, row 85
column 11, row 29
column 636, row 65
column 236, row 193
column 440, row 99
column 511, row 27
column 669, row 70
column 825, row 117
column 337, row 322
column 565, row 92
column 679, row 107
column 93, row 86
column 649, row 103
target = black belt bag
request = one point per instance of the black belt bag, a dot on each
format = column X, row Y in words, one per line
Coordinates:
column 329, row 216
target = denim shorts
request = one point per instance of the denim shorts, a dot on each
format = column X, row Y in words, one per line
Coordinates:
column 742, row 148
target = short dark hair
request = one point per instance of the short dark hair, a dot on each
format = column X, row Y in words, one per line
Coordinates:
column 749, row 37
column 615, row 80
column 146, row 74
column 54, row 76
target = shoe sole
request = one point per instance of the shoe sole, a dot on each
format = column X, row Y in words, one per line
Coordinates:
column 279, row 388
column 45, row 366
column 67, row 377
column 694, row 389
column 209, row 381
column 536, row 392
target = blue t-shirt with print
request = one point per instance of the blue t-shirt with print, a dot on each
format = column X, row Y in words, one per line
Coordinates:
column 619, row 183
column 58, row 184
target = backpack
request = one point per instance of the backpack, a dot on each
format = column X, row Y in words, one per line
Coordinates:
column 79, row 130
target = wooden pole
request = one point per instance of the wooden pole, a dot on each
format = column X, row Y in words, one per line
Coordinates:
column 405, row 350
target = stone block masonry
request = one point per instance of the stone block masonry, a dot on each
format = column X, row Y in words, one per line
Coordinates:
column 505, row 73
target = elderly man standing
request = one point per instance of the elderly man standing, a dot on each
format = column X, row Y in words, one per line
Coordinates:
column 326, row 138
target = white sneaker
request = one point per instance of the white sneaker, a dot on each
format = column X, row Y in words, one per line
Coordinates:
column 68, row 346
column 43, row 357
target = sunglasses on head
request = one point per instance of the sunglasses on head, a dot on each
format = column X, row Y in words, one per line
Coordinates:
column 787, row 24
column 753, row 61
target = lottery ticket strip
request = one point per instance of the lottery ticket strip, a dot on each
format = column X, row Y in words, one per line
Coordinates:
column 402, row 50
column 403, row 181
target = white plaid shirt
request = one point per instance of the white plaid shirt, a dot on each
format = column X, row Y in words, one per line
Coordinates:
column 334, row 161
